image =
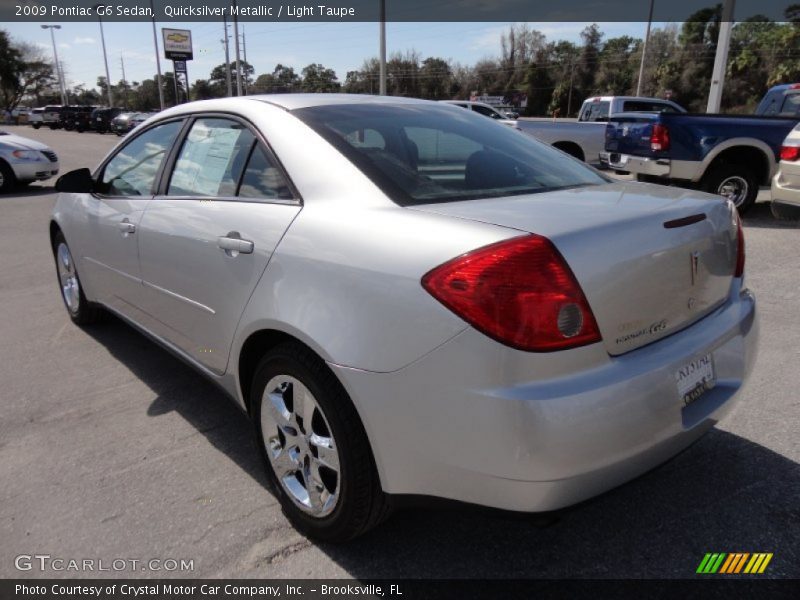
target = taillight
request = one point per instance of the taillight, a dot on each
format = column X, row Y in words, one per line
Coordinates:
column 790, row 153
column 659, row 138
column 739, row 272
column 520, row 292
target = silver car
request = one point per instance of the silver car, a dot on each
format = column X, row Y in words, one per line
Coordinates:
column 23, row 160
column 411, row 299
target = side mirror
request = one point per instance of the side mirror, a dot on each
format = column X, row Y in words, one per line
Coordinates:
column 78, row 181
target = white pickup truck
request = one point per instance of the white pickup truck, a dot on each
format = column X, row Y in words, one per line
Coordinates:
column 584, row 137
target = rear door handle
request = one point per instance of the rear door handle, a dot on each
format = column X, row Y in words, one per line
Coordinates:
column 234, row 244
column 126, row 226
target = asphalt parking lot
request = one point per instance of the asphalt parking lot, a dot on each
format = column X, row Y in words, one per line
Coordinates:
column 110, row 448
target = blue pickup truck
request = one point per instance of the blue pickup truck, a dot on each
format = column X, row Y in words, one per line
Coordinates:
column 730, row 155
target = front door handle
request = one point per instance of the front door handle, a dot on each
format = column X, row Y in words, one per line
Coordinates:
column 233, row 244
column 126, row 226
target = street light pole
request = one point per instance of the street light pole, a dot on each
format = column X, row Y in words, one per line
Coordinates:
column 644, row 49
column 59, row 74
column 721, row 58
column 238, row 57
column 382, row 83
column 227, row 58
column 105, row 57
column 158, row 60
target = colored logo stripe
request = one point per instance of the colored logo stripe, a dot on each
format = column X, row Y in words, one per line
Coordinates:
column 723, row 563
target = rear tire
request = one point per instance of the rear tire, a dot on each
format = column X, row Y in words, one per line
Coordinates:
column 738, row 183
column 37, row 125
column 80, row 310
column 784, row 211
column 8, row 180
column 318, row 459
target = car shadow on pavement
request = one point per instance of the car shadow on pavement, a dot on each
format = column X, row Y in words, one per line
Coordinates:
column 723, row 494
column 760, row 215
column 29, row 191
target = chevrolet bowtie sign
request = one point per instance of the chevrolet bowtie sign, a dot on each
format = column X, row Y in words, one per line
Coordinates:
column 177, row 44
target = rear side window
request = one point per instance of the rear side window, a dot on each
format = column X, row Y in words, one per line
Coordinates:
column 263, row 179
column 647, row 106
column 211, row 159
column 132, row 171
column 486, row 111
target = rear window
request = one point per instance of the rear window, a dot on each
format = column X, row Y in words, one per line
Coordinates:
column 647, row 106
column 420, row 153
column 791, row 106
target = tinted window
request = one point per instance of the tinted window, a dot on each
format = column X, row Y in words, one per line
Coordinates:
column 211, row 159
column 263, row 179
column 595, row 111
column 647, row 106
column 791, row 106
column 436, row 154
column 486, row 111
column 133, row 170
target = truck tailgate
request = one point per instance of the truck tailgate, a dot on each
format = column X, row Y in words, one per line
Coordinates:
column 630, row 134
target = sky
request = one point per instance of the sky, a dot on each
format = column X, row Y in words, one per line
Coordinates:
column 340, row 46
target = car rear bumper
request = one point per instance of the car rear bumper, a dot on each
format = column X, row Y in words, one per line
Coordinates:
column 480, row 423
column 636, row 164
column 786, row 186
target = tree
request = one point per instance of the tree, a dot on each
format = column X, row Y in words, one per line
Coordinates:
column 282, row 80
column 219, row 80
column 435, row 79
column 317, row 78
column 23, row 72
column 203, row 89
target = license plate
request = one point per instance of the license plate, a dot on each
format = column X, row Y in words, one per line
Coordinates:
column 695, row 378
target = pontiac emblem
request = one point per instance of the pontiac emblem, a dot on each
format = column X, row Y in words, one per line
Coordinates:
column 695, row 262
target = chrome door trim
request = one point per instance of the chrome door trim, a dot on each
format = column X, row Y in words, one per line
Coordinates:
column 110, row 268
column 188, row 301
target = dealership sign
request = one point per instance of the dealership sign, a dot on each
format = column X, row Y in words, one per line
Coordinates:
column 177, row 44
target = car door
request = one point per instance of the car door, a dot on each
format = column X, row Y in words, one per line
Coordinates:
column 208, row 236
column 111, row 215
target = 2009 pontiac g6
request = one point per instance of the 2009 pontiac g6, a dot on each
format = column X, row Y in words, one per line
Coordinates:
column 408, row 299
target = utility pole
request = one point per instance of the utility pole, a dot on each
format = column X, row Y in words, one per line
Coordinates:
column 644, row 49
column 244, row 49
column 227, row 57
column 61, row 84
column 64, row 79
column 571, row 76
column 382, row 91
column 158, row 59
column 238, row 61
column 124, row 79
column 105, row 57
column 721, row 58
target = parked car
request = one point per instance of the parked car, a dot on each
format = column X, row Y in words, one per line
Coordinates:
column 485, row 110
column 101, row 118
column 52, row 116
column 121, row 124
column 730, row 155
column 584, row 137
column 408, row 299
column 23, row 161
column 786, row 183
column 36, row 117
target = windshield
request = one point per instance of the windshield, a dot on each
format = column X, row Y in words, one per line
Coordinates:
column 423, row 153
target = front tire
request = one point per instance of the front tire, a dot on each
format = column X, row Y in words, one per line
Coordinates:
column 314, row 447
column 7, row 178
column 80, row 310
column 737, row 183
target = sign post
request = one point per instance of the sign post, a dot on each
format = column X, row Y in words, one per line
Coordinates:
column 178, row 49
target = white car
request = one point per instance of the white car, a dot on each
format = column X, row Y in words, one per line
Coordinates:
column 36, row 117
column 23, row 160
column 485, row 110
column 786, row 183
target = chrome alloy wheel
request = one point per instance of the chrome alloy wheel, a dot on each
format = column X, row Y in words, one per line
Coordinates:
column 734, row 188
column 300, row 445
column 68, row 277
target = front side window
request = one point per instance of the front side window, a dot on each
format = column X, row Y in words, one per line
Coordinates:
column 133, row 170
column 435, row 154
column 486, row 111
column 595, row 111
column 211, row 159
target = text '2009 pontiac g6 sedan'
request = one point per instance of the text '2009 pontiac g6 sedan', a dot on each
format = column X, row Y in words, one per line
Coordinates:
column 410, row 299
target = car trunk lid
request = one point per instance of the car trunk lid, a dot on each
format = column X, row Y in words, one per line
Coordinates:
column 650, row 259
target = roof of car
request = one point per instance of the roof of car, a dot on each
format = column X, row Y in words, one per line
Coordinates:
column 295, row 101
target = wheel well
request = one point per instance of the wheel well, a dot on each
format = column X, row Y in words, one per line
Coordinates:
column 747, row 156
column 571, row 148
column 253, row 350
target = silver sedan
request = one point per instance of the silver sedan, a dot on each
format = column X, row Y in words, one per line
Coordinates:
column 411, row 299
